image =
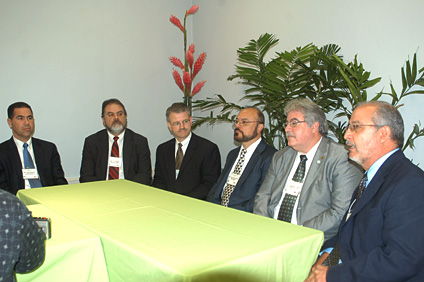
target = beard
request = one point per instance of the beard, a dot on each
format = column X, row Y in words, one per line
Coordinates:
column 239, row 136
column 117, row 127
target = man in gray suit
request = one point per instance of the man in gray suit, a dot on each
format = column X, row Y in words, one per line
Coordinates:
column 310, row 182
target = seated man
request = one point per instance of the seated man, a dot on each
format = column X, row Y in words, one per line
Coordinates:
column 187, row 164
column 381, row 236
column 246, row 166
column 115, row 152
column 21, row 240
column 311, row 180
column 27, row 162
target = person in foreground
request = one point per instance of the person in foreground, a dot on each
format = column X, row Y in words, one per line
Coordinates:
column 27, row 162
column 116, row 152
column 21, row 240
column 246, row 166
column 187, row 164
column 310, row 181
column 381, row 236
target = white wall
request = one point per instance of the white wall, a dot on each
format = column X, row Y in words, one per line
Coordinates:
column 65, row 57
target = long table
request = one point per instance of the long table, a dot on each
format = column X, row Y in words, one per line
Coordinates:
column 72, row 253
column 153, row 235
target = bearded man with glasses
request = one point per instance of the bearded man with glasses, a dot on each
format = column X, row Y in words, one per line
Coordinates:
column 310, row 181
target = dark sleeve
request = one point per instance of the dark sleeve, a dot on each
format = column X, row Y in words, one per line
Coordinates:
column 58, row 173
column 210, row 170
column 87, row 172
column 144, row 165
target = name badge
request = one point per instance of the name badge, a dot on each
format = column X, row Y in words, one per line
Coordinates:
column 293, row 187
column 233, row 179
column 115, row 162
column 30, row 173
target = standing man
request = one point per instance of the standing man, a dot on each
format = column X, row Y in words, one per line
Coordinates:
column 115, row 152
column 27, row 162
column 187, row 164
column 310, row 181
column 246, row 166
column 381, row 237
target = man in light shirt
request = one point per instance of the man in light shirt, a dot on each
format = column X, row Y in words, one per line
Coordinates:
column 246, row 166
column 381, row 236
column 310, row 181
column 115, row 152
column 27, row 162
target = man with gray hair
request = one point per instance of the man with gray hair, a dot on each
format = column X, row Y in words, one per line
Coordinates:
column 310, row 181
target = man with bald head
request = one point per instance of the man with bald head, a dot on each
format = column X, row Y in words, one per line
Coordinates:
column 381, row 236
column 246, row 166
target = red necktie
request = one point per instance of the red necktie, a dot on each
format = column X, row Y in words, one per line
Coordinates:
column 114, row 171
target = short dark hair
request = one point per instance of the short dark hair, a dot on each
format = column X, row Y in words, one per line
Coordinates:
column 112, row 101
column 177, row 108
column 311, row 111
column 17, row 105
column 387, row 115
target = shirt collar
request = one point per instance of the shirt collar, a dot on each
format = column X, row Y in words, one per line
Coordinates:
column 372, row 171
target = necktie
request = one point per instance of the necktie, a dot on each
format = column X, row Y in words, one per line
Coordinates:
column 28, row 163
column 334, row 257
column 114, row 171
column 286, row 209
column 228, row 189
column 179, row 157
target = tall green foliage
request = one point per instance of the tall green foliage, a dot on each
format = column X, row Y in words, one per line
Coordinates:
column 319, row 74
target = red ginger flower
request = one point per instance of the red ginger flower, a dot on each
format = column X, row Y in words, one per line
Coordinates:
column 191, row 48
column 187, row 79
column 199, row 63
column 176, row 62
column 198, row 87
column 176, row 22
column 190, row 59
column 192, row 10
column 177, row 79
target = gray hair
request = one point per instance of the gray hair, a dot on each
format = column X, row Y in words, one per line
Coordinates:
column 311, row 111
column 177, row 108
column 387, row 115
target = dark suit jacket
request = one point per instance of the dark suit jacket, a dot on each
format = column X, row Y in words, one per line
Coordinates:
column 243, row 196
column 136, row 157
column 47, row 160
column 383, row 240
column 199, row 170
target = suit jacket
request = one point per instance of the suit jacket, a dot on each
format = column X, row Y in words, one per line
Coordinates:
column 326, row 190
column 136, row 157
column 198, row 172
column 47, row 160
column 383, row 239
column 253, row 175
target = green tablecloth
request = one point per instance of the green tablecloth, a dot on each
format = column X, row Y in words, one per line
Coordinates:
column 153, row 235
column 72, row 253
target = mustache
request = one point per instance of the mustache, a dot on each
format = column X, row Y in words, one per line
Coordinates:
column 289, row 134
column 350, row 144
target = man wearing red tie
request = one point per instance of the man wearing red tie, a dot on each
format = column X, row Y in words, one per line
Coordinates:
column 115, row 152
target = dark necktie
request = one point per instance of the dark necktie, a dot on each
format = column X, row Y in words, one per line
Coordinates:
column 114, row 171
column 334, row 257
column 179, row 157
column 228, row 189
column 286, row 209
column 28, row 163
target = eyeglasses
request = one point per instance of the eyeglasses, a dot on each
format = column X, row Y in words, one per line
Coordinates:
column 184, row 122
column 293, row 122
column 355, row 127
column 244, row 123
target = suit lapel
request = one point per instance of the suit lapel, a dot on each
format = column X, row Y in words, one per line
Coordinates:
column 170, row 160
column 127, row 150
column 191, row 150
column 39, row 158
column 104, row 150
column 252, row 162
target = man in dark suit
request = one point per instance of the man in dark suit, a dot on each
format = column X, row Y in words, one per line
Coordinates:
column 187, row 164
column 321, row 196
column 115, row 152
column 246, row 166
column 18, row 170
column 381, row 236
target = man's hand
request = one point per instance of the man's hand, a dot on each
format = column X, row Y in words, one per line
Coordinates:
column 318, row 272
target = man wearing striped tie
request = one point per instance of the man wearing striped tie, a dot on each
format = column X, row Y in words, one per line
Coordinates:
column 27, row 162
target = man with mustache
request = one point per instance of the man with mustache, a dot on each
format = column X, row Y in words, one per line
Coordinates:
column 115, row 152
column 187, row 164
column 310, row 181
column 246, row 166
column 27, row 162
column 381, row 236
